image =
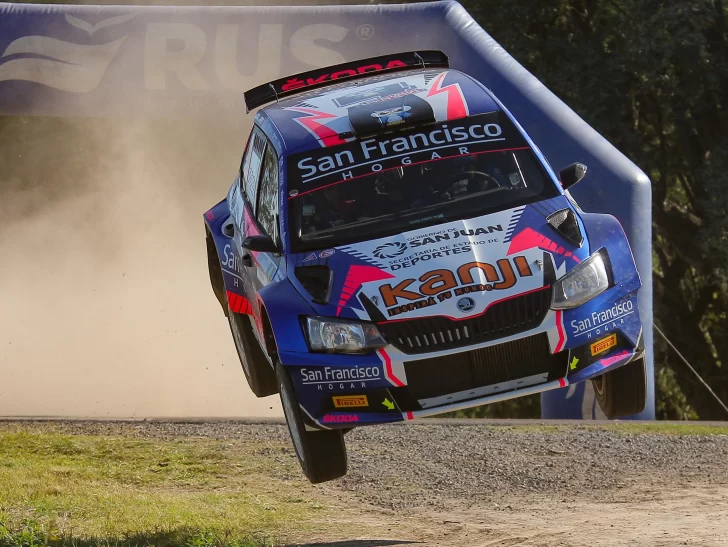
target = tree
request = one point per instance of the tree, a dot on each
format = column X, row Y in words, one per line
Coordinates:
column 652, row 77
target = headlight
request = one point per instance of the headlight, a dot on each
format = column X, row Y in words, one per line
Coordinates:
column 581, row 284
column 342, row 336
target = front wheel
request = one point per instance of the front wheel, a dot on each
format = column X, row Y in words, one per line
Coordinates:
column 321, row 454
column 623, row 391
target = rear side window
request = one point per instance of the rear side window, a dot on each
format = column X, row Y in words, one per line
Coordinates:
column 268, row 198
column 250, row 170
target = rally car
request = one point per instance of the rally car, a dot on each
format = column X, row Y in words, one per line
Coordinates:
column 396, row 246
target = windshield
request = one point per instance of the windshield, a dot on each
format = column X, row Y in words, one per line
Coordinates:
column 345, row 202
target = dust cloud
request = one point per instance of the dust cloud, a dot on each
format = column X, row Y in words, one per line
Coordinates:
column 106, row 305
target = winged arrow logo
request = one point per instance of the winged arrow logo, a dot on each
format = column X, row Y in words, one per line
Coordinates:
column 68, row 66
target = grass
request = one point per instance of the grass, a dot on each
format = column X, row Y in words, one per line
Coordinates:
column 61, row 489
column 658, row 428
column 623, row 427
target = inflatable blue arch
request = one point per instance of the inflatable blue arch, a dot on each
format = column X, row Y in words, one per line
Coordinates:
column 65, row 60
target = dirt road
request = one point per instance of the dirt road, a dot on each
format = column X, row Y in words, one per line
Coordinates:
column 476, row 484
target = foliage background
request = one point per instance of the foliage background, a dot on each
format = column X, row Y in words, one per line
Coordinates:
column 652, row 77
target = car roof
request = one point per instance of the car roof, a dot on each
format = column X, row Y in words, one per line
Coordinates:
column 343, row 112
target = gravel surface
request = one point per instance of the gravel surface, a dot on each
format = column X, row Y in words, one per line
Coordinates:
column 427, row 464
column 479, row 484
column 483, row 463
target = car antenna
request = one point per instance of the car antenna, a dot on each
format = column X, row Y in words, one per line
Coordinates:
column 272, row 87
column 421, row 59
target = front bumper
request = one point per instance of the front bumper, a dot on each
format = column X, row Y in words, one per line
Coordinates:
column 566, row 347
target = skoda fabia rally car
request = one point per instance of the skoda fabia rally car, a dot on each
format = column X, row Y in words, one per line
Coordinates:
column 395, row 246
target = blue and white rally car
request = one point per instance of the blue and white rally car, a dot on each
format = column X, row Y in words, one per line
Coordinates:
column 395, row 246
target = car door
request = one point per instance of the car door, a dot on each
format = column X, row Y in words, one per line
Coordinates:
column 266, row 218
column 242, row 202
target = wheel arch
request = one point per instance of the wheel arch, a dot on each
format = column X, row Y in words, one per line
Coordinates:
column 269, row 337
column 214, row 219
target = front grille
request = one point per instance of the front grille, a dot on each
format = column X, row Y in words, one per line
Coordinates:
column 438, row 333
column 500, row 364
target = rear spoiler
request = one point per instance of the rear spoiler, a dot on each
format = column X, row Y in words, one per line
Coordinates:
column 320, row 77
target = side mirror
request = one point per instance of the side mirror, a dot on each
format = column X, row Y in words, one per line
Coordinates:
column 260, row 244
column 572, row 174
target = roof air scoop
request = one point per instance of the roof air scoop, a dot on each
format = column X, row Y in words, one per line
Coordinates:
column 565, row 223
column 390, row 114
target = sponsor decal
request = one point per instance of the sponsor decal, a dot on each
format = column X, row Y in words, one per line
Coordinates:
column 312, row 256
column 297, row 83
column 316, row 168
column 293, row 193
column 344, row 401
column 327, row 253
column 466, row 304
column 424, row 245
column 603, row 345
column 574, row 363
column 420, row 256
column 370, row 94
column 235, row 203
column 453, row 234
column 615, row 358
column 603, row 321
column 442, row 284
column 329, row 374
column 389, row 405
column 392, row 116
column 339, row 378
column 339, row 418
column 79, row 67
column 390, row 250
column 231, row 260
column 371, row 152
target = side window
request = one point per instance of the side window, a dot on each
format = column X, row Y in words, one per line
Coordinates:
column 250, row 169
column 268, row 197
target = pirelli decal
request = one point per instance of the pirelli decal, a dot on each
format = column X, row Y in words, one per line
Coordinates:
column 604, row 344
column 348, row 401
column 440, row 285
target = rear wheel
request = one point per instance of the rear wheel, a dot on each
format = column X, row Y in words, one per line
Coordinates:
column 623, row 391
column 258, row 371
column 322, row 454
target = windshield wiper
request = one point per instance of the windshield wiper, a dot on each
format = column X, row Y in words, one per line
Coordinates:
column 411, row 212
column 327, row 233
column 363, row 222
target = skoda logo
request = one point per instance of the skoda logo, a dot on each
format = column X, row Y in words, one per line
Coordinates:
column 466, row 304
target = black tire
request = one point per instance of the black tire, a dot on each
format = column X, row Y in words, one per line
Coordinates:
column 623, row 391
column 258, row 370
column 322, row 454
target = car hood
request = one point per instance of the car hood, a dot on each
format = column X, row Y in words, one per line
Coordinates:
column 456, row 269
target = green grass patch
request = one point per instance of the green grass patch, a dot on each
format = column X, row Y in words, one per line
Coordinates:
column 61, row 489
column 659, row 428
column 624, row 427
